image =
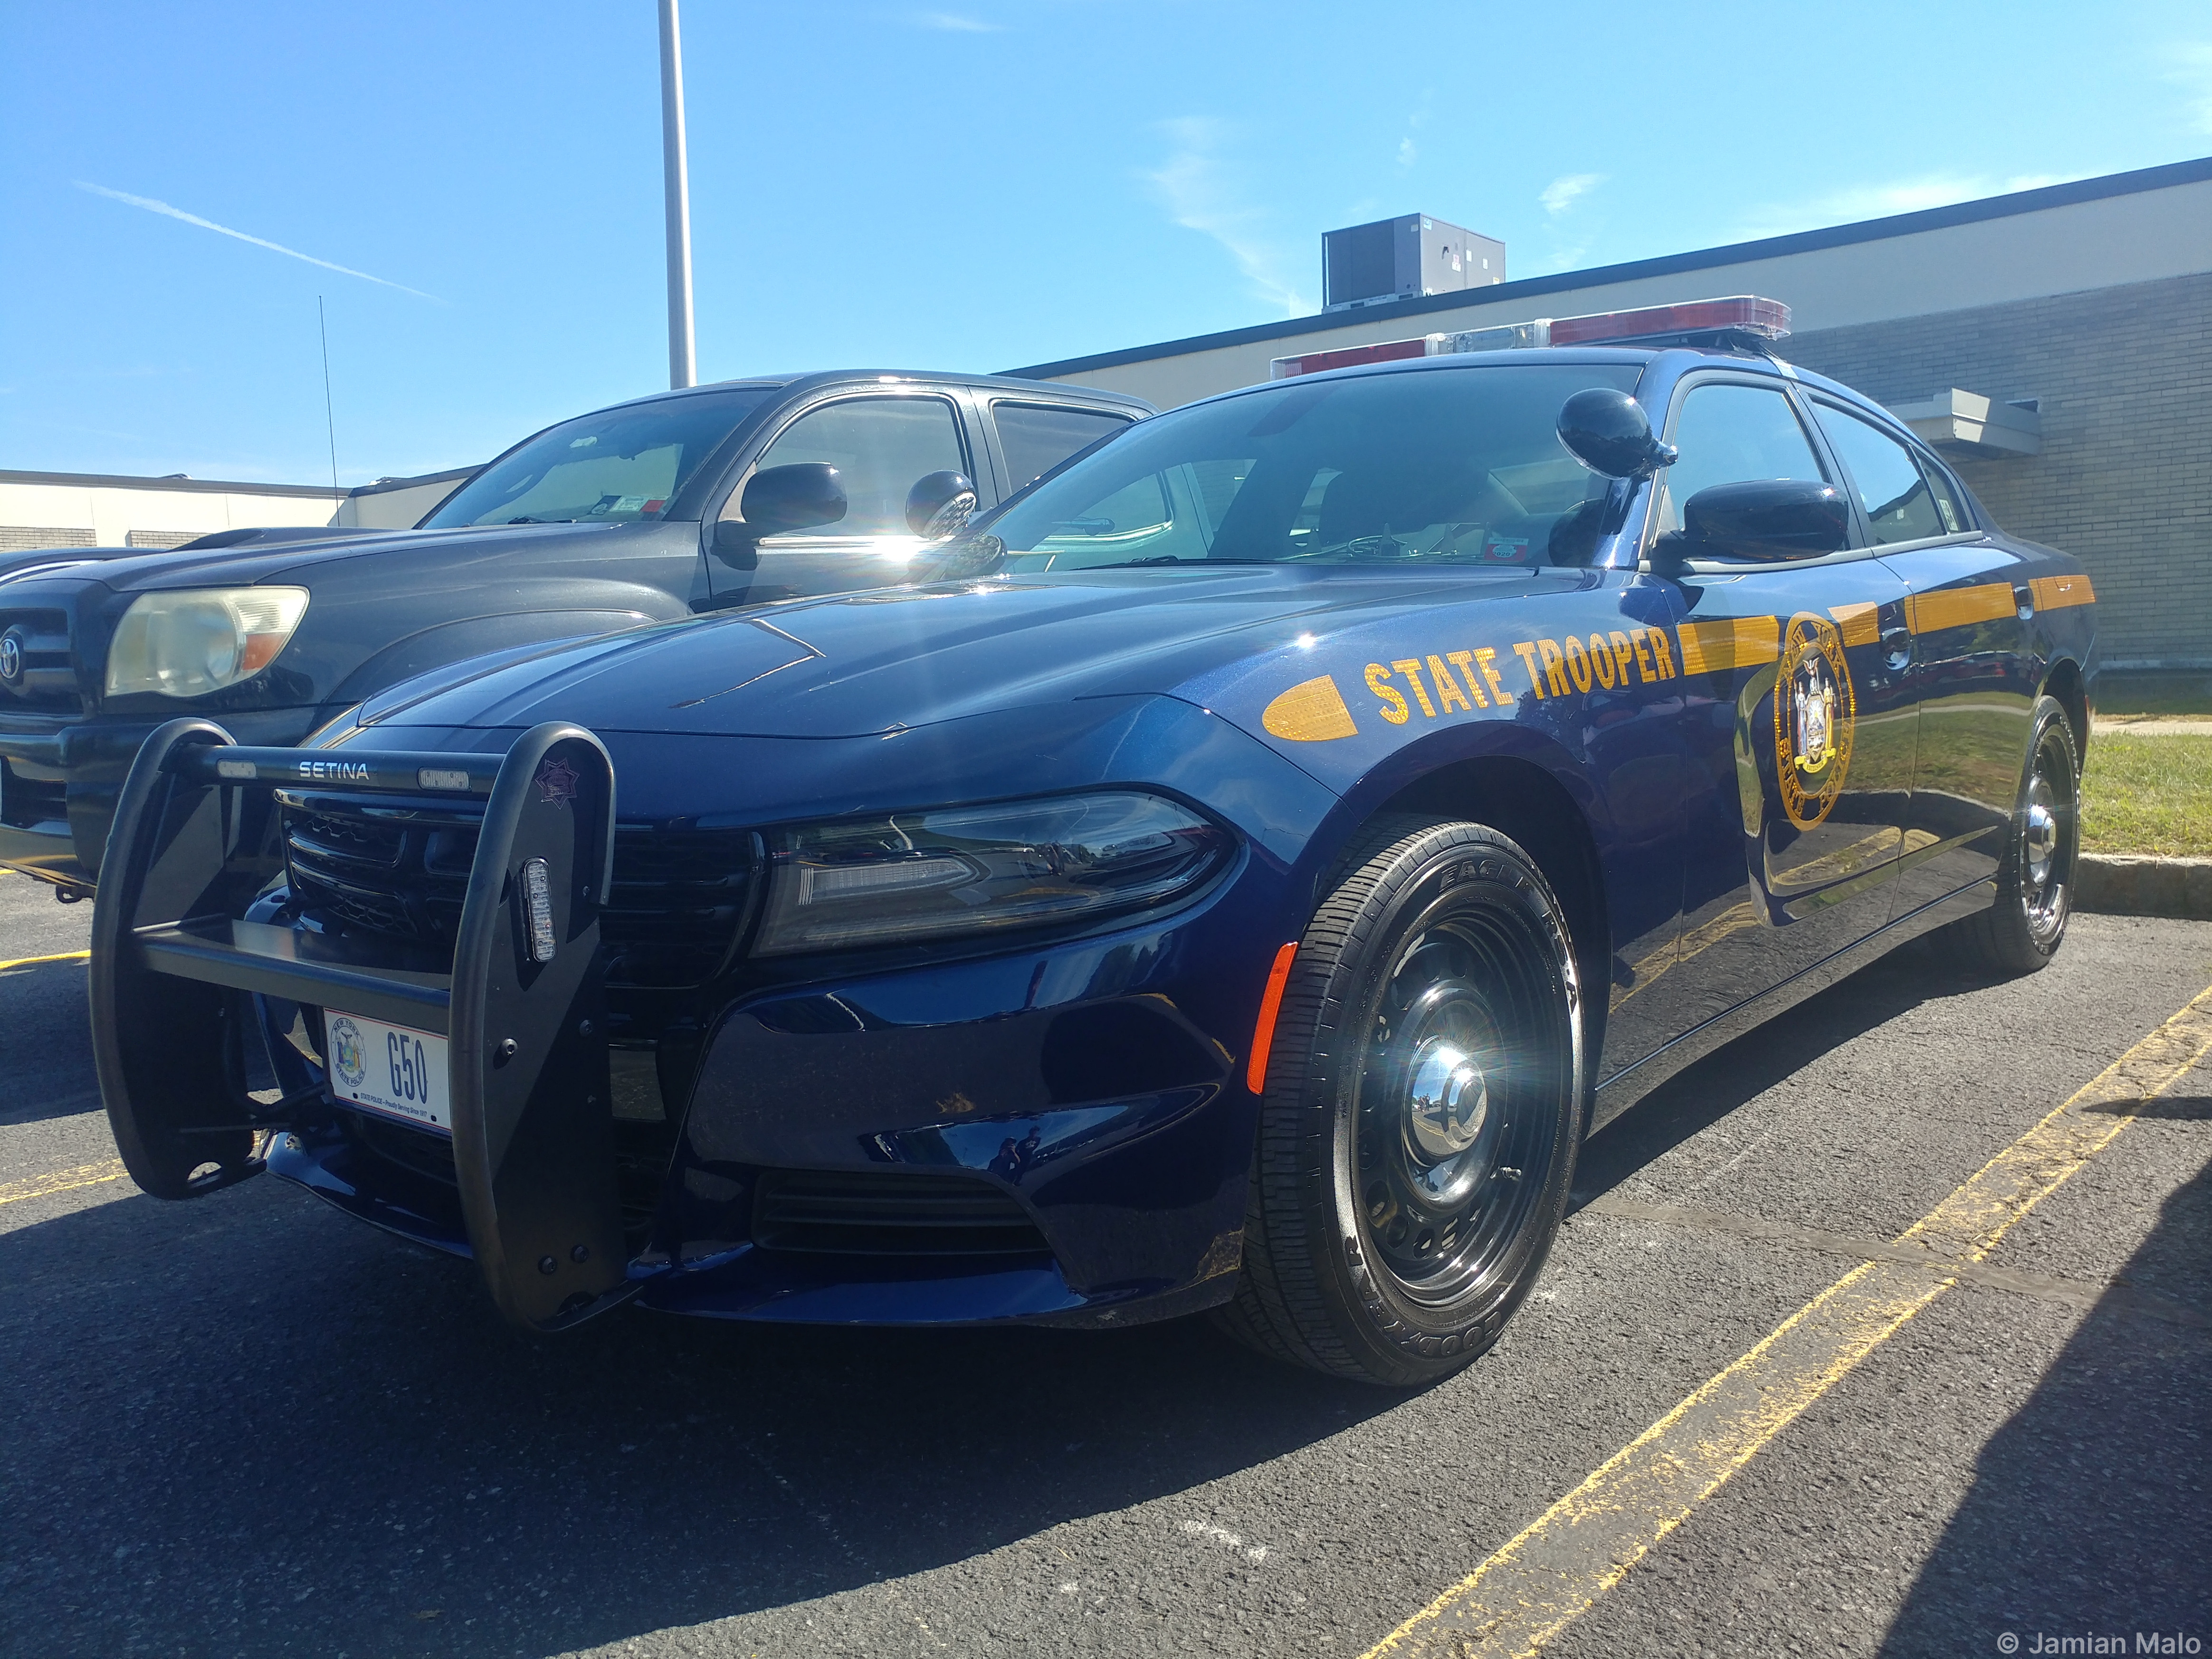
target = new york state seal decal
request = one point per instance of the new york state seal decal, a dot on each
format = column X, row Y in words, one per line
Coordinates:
column 1815, row 712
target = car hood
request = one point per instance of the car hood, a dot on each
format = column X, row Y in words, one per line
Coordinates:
column 892, row 660
column 136, row 569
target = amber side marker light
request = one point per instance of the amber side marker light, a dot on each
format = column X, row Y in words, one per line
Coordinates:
column 1263, row 1032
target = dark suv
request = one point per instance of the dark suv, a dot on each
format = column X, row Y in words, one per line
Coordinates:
column 687, row 501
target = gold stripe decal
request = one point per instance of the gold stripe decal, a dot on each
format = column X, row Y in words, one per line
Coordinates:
column 1729, row 643
column 2056, row 592
column 1960, row 607
column 1860, row 624
column 1312, row 711
column 1557, row 1567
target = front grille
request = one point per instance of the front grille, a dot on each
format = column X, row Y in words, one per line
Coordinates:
column 42, row 676
column 870, row 1212
column 400, row 870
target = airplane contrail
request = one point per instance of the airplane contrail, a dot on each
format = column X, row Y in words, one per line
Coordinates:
column 153, row 206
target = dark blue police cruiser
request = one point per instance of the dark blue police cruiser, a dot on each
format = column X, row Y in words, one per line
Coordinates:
column 1234, row 875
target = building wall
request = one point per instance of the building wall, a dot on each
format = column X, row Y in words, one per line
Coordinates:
column 400, row 505
column 91, row 511
column 2145, row 235
column 2124, row 480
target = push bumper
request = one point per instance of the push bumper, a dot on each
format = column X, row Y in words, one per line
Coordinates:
column 173, row 949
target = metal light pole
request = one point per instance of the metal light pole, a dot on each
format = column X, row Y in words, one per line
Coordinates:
column 682, row 366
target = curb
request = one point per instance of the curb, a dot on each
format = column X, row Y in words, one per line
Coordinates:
column 2128, row 884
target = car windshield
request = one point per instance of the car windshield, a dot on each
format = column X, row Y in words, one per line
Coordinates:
column 620, row 463
column 1461, row 466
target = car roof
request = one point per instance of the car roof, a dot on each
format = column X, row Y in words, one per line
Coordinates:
column 818, row 378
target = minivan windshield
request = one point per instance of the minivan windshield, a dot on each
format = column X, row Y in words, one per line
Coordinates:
column 1459, row 466
column 620, row 463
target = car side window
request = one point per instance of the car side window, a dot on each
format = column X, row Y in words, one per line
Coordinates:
column 1891, row 487
column 881, row 448
column 1950, row 506
column 1038, row 437
column 1729, row 433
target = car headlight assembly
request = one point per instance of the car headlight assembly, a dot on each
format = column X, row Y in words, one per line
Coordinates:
column 937, row 873
column 193, row 641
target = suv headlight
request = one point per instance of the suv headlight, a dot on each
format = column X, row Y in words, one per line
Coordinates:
column 194, row 640
column 981, row 869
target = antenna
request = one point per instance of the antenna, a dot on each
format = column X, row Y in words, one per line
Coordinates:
column 330, row 422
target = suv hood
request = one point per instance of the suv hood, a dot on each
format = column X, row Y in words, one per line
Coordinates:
column 891, row 660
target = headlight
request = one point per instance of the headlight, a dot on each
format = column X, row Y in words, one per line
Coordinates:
column 200, row 640
column 980, row 869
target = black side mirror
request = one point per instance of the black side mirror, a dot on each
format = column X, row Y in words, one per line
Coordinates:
column 940, row 505
column 1771, row 521
column 796, row 498
column 1607, row 431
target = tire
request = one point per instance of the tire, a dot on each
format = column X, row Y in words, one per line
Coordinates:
column 2023, row 930
column 1423, row 1107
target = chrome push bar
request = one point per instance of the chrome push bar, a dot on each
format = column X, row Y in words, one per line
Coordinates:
column 194, row 847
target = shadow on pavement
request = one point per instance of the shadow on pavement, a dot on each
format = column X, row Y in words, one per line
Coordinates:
column 2088, row 1514
column 1701, row 1095
column 245, row 1424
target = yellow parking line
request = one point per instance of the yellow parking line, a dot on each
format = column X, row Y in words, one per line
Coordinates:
column 1559, row 1565
column 30, row 962
column 64, row 1181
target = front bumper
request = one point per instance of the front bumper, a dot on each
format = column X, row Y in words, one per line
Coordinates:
column 1057, row 1132
column 62, row 775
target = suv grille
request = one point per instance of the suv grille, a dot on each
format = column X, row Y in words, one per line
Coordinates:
column 43, row 679
column 401, row 871
column 865, row 1213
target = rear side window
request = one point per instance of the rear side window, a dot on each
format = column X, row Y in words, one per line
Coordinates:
column 1891, row 487
column 1950, row 506
column 1038, row 437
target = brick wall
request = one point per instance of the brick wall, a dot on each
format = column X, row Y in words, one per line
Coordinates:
column 2124, row 480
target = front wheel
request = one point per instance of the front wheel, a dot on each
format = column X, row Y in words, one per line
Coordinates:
column 2023, row 930
column 1423, row 1106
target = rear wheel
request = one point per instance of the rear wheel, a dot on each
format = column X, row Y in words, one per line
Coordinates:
column 1423, row 1106
column 2023, row 930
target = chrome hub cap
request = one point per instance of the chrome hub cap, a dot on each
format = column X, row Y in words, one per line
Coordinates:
column 1450, row 1102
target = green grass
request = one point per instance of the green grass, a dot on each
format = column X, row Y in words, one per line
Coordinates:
column 2148, row 795
column 2144, row 692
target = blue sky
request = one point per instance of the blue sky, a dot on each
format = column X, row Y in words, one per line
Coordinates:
column 999, row 182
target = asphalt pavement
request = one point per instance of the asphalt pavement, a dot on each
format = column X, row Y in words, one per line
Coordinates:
column 244, row 1424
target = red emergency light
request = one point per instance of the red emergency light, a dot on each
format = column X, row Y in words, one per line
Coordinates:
column 1740, row 313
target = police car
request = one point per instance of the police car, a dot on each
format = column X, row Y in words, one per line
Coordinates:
column 1234, row 875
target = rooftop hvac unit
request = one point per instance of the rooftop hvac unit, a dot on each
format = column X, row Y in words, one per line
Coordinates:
column 1403, row 258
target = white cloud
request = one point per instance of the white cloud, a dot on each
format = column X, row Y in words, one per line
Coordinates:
column 1857, row 202
column 2192, row 70
column 153, row 206
column 1408, row 152
column 1563, row 192
column 1199, row 192
column 955, row 24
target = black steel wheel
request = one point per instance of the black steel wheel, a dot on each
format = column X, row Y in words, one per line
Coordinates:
column 1424, row 1103
column 2024, row 928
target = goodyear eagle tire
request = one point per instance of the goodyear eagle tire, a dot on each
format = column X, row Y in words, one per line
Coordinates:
column 1422, row 1107
column 2023, row 930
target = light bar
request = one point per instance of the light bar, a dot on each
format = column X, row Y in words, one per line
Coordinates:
column 1745, row 314
column 1740, row 314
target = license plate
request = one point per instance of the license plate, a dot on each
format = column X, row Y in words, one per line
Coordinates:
column 389, row 1069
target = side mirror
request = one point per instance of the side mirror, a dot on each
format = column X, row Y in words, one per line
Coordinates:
column 1771, row 521
column 796, row 498
column 1607, row 431
column 940, row 505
